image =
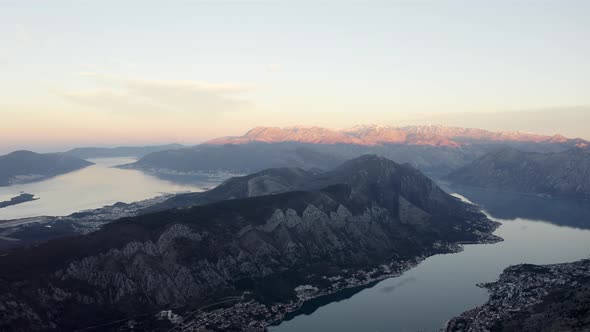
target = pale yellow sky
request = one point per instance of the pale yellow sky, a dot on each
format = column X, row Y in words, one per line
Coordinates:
column 110, row 73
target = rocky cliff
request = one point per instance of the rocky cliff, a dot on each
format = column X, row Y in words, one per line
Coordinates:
column 372, row 211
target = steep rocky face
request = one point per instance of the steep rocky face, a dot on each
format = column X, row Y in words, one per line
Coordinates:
column 27, row 166
column 565, row 173
column 267, row 245
column 533, row 298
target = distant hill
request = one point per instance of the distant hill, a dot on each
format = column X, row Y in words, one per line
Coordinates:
column 121, row 151
column 236, row 158
column 565, row 173
column 267, row 182
column 27, row 166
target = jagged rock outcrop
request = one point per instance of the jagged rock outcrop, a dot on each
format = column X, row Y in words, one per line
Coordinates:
column 369, row 211
column 564, row 173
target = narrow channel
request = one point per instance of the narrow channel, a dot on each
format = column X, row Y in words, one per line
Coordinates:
column 443, row 286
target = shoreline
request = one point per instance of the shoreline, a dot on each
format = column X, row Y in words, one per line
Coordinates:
column 451, row 248
column 532, row 297
column 259, row 317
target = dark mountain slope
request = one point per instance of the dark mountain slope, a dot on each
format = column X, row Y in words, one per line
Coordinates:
column 277, row 180
column 564, row 173
column 269, row 181
column 381, row 213
column 27, row 166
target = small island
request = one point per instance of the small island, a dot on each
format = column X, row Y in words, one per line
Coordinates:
column 24, row 197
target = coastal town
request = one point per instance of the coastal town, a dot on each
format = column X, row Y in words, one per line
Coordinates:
column 522, row 300
column 24, row 231
column 245, row 313
column 91, row 220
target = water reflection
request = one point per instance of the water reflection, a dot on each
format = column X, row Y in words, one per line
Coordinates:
column 87, row 188
column 312, row 305
column 389, row 289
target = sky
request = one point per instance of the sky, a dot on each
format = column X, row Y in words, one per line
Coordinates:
column 103, row 73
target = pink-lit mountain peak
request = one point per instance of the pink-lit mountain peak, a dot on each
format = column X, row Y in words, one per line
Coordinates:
column 430, row 135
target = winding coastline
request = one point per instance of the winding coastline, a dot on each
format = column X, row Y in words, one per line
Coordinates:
column 442, row 287
column 530, row 297
column 260, row 317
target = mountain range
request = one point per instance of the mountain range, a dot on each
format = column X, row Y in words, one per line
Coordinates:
column 565, row 173
column 436, row 150
column 26, row 166
column 378, row 135
column 267, row 243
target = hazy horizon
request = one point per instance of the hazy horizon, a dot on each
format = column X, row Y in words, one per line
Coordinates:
column 520, row 121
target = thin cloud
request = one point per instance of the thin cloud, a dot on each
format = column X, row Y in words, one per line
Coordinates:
column 110, row 100
column 273, row 67
column 23, row 34
column 162, row 95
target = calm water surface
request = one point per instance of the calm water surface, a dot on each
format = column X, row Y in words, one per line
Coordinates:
column 443, row 286
column 88, row 188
